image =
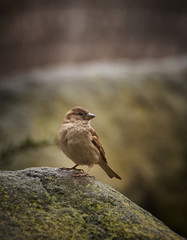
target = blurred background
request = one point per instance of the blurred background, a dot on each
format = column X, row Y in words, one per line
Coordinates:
column 126, row 62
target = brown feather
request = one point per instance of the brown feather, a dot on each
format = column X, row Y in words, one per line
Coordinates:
column 95, row 141
column 103, row 161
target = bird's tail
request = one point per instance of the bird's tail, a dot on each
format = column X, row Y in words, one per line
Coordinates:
column 108, row 170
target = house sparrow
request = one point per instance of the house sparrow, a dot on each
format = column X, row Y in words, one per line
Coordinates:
column 79, row 142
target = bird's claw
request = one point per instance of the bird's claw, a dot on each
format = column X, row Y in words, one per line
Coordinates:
column 64, row 168
column 68, row 169
column 82, row 175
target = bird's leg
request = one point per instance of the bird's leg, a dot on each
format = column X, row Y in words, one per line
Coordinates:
column 72, row 168
column 84, row 173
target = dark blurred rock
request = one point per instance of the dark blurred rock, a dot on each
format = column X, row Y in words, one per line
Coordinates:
column 40, row 203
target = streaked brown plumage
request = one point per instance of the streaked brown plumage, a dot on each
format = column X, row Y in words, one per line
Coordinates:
column 79, row 141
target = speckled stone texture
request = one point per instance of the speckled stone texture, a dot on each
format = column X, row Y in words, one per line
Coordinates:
column 48, row 203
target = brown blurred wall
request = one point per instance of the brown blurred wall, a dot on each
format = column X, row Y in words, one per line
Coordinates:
column 36, row 33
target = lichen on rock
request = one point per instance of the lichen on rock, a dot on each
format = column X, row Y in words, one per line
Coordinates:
column 48, row 203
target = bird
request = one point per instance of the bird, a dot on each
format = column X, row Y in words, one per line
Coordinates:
column 80, row 143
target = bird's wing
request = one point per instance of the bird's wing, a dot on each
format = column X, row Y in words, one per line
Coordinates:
column 96, row 142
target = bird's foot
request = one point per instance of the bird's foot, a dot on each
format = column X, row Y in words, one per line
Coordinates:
column 84, row 174
column 72, row 168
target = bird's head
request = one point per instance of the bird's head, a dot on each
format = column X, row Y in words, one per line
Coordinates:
column 79, row 114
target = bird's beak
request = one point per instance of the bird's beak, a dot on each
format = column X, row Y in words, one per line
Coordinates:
column 90, row 116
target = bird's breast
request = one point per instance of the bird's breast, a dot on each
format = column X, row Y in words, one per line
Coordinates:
column 76, row 144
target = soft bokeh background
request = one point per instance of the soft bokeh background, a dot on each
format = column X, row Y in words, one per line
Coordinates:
column 126, row 61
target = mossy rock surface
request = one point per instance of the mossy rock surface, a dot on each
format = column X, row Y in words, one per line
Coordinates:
column 48, row 203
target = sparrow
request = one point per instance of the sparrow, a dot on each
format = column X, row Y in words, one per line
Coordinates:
column 79, row 142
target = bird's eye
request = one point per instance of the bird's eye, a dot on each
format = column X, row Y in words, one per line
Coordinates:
column 80, row 113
